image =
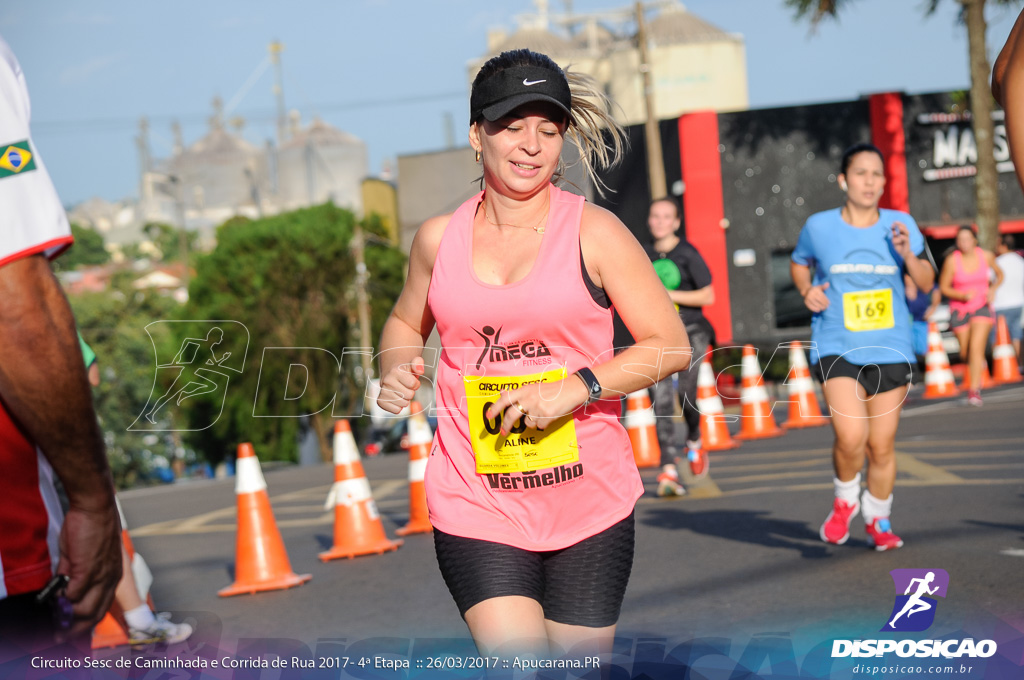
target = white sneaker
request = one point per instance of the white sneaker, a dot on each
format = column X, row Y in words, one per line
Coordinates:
column 161, row 630
column 668, row 484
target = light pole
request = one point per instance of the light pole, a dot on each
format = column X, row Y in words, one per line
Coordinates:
column 362, row 299
column 655, row 161
column 179, row 204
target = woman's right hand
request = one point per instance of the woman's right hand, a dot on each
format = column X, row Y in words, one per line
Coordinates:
column 815, row 298
column 398, row 387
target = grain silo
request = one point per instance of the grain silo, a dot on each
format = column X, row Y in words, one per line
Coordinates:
column 321, row 163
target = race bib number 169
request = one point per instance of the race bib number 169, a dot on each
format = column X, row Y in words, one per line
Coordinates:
column 868, row 310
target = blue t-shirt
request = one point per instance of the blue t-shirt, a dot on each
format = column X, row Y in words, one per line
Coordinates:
column 867, row 320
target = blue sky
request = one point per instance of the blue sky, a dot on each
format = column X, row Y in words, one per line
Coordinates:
column 390, row 71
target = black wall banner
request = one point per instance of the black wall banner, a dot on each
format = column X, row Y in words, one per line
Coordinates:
column 941, row 161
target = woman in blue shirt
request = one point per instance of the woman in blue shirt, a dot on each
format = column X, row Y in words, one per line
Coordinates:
column 863, row 353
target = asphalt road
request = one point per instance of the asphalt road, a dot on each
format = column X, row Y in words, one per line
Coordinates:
column 730, row 580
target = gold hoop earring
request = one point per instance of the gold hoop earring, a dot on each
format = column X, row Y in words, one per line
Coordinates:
column 477, row 156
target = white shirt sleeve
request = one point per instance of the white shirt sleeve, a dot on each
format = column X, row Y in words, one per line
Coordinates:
column 32, row 219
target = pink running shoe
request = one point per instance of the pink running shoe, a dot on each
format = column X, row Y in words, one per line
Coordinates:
column 836, row 528
column 880, row 535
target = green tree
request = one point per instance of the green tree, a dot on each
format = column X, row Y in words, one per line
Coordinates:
column 114, row 324
column 972, row 15
column 289, row 280
column 88, row 250
column 172, row 242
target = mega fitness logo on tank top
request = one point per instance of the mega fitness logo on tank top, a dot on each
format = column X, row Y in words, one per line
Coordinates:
column 526, row 352
column 516, row 462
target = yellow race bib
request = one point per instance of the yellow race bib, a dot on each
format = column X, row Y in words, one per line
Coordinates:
column 523, row 450
column 868, row 310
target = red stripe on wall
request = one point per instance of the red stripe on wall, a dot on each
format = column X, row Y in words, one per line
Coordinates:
column 704, row 209
column 949, row 230
column 886, row 111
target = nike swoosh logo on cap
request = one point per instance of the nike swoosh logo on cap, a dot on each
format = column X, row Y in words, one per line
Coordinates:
column 532, row 82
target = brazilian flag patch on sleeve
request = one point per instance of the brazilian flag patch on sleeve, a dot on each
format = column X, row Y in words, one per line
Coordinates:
column 15, row 159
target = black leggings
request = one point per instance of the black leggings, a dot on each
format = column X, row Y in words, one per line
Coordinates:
column 582, row 585
column 27, row 627
column 665, row 401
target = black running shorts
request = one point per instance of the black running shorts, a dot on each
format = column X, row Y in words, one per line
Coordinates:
column 582, row 585
column 958, row 319
column 875, row 378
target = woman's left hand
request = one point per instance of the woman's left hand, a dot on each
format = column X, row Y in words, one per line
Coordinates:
column 540, row 404
column 901, row 239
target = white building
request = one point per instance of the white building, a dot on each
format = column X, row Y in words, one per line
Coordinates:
column 222, row 175
column 693, row 65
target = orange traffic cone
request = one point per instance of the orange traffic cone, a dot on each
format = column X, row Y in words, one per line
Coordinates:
column 357, row 526
column 803, row 404
column 112, row 630
column 714, row 432
column 1005, row 368
column 261, row 562
column 643, row 434
column 986, row 377
column 757, row 421
column 938, row 377
column 420, row 438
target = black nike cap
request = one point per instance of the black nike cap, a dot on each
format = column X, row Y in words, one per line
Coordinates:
column 510, row 88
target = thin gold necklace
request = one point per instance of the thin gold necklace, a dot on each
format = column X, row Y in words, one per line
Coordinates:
column 539, row 227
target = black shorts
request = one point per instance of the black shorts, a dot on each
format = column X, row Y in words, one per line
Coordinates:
column 959, row 319
column 28, row 626
column 875, row 378
column 582, row 585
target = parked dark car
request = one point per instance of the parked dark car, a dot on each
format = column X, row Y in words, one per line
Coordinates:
column 392, row 438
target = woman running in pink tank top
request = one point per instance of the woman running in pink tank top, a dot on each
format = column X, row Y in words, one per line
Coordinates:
column 965, row 281
column 531, row 481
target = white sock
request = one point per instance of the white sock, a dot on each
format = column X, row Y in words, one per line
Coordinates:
column 874, row 508
column 139, row 618
column 847, row 492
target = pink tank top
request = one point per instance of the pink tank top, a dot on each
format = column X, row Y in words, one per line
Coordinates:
column 546, row 320
column 975, row 283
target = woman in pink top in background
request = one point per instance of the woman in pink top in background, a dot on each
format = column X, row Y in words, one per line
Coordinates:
column 531, row 481
column 965, row 281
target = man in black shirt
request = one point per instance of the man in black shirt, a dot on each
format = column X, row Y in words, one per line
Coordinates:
column 688, row 280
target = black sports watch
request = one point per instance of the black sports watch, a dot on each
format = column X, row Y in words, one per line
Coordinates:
column 590, row 380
